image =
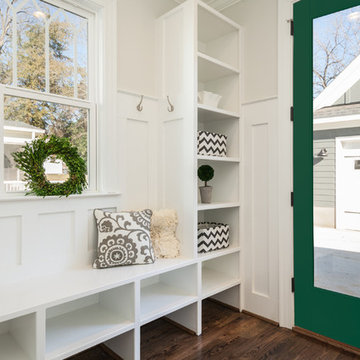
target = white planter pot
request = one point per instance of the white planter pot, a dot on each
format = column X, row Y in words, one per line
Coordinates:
column 205, row 194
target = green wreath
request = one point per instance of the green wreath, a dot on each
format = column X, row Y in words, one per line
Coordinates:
column 30, row 160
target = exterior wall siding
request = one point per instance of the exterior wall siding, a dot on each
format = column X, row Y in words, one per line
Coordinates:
column 324, row 172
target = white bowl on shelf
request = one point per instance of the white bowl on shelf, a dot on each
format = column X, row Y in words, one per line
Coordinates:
column 208, row 98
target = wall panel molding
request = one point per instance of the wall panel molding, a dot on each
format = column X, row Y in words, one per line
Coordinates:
column 138, row 150
column 11, row 241
column 260, row 208
column 50, row 236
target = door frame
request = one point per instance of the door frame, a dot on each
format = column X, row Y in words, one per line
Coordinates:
column 285, row 161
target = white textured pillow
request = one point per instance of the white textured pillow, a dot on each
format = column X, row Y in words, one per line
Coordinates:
column 123, row 238
column 163, row 233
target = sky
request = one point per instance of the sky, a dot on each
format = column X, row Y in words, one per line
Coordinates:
column 324, row 30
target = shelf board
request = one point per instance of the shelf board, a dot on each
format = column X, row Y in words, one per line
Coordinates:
column 53, row 289
column 210, row 113
column 217, row 205
column 9, row 349
column 213, row 24
column 210, row 68
column 218, row 158
column 218, row 253
column 214, row 282
column 160, row 299
column 84, row 327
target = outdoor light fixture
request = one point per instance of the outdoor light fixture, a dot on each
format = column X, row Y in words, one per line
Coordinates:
column 323, row 152
column 354, row 16
column 39, row 14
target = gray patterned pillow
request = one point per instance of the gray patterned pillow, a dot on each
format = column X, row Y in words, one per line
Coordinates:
column 123, row 238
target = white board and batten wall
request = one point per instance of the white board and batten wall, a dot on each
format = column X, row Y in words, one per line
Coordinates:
column 266, row 102
column 153, row 154
column 48, row 236
column 261, row 264
column 170, row 134
column 268, row 157
column 261, row 291
column 44, row 236
column 137, row 143
column 159, row 144
column 267, row 160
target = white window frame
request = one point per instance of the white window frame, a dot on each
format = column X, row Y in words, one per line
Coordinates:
column 89, row 104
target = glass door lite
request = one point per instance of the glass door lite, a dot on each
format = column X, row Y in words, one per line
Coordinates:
column 327, row 168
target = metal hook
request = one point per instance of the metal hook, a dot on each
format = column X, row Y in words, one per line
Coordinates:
column 171, row 107
column 140, row 107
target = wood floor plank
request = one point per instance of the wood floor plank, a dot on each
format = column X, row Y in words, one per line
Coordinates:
column 227, row 335
column 95, row 353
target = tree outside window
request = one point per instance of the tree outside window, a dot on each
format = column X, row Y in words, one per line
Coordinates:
column 43, row 51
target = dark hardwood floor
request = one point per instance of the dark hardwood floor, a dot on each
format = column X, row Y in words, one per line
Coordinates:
column 226, row 335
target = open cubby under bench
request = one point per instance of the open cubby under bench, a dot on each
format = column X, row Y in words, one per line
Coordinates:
column 56, row 316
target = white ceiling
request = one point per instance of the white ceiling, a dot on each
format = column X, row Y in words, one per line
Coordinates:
column 216, row 4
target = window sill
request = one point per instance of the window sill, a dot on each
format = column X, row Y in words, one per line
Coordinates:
column 85, row 195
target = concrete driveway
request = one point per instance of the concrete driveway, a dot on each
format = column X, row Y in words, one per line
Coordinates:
column 337, row 260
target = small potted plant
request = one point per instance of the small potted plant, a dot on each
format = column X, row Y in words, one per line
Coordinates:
column 205, row 173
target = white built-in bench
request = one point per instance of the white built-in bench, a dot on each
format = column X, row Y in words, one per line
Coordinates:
column 56, row 316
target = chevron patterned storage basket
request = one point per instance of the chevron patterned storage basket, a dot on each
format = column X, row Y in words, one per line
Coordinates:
column 212, row 236
column 211, row 144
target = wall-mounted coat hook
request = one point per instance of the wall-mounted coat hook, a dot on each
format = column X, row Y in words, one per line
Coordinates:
column 171, row 107
column 140, row 107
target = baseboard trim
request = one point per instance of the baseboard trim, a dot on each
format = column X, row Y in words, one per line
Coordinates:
column 272, row 322
column 325, row 339
column 182, row 327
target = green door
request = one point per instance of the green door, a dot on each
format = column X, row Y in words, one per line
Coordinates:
column 327, row 168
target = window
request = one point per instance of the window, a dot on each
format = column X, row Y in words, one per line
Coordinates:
column 45, row 82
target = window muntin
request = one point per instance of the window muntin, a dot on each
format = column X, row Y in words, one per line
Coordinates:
column 27, row 119
column 44, row 82
column 43, row 48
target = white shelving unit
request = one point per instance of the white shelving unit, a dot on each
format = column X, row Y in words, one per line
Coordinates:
column 10, row 349
column 57, row 316
column 218, row 57
column 219, row 253
column 86, row 326
column 219, row 274
column 88, row 321
column 210, row 113
column 212, row 69
column 86, row 307
column 218, row 36
column 217, row 158
column 226, row 186
column 218, row 205
column 18, row 338
column 219, row 71
column 230, row 216
column 166, row 293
